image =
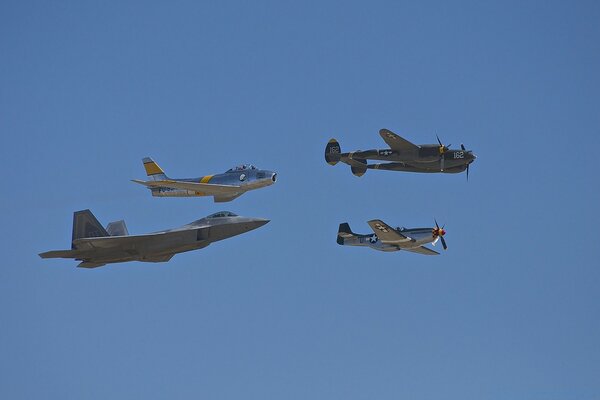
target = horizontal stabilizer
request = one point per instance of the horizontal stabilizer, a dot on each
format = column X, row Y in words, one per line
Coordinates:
column 58, row 254
column 345, row 231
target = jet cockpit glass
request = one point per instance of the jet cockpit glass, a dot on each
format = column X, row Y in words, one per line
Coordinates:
column 243, row 167
column 222, row 214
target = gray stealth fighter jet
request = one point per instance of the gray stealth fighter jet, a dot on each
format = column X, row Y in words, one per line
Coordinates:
column 386, row 238
column 223, row 187
column 403, row 156
column 95, row 246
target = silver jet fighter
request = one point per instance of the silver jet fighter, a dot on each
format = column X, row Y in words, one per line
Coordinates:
column 386, row 238
column 223, row 187
column 95, row 246
column 403, row 155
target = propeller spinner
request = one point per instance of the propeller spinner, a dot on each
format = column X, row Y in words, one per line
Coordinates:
column 442, row 149
column 438, row 232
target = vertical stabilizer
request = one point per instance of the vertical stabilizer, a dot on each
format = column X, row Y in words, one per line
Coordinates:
column 344, row 232
column 153, row 171
column 117, row 228
column 85, row 225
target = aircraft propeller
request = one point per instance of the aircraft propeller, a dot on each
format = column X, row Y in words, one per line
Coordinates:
column 462, row 147
column 442, row 149
column 438, row 232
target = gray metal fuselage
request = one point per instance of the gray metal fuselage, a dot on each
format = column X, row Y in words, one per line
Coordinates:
column 422, row 236
column 158, row 246
column 247, row 179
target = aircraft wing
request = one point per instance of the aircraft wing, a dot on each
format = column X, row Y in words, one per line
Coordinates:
column 107, row 242
column 387, row 234
column 423, row 250
column 204, row 188
column 223, row 198
column 396, row 142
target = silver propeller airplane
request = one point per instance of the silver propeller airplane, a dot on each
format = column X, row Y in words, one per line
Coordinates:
column 95, row 246
column 386, row 238
column 223, row 187
column 403, row 156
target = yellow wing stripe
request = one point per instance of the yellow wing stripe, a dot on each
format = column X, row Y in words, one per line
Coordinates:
column 206, row 179
column 152, row 168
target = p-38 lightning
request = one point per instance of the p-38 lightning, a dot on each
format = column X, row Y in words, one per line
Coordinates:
column 386, row 238
column 223, row 187
column 95, row 246
column 403, row 156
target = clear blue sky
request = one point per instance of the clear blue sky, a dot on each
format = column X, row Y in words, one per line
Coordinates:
column 510, row 311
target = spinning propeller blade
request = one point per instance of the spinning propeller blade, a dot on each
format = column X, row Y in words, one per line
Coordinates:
column 442, row 149
column 444, row 243
column 439, row 233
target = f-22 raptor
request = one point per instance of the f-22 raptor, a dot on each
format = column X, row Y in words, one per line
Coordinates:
column 403, row 156
column 95, row 246
column 223, row 187
column 386, row 238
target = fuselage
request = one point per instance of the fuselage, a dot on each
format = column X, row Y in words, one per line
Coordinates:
column 424, row 159
column 248, row 177
column 160, row 246
column 421, row 236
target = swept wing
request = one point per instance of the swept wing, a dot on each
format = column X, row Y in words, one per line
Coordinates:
column 204, row 188
column 108, row 242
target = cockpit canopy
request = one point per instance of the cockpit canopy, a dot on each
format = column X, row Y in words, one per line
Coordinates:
column 222, row 214
column 243, row 167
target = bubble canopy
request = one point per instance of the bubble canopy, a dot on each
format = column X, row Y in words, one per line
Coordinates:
column 222, row 214
column 242, row 168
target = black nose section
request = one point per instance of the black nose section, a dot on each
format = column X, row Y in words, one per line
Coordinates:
column 274, row 177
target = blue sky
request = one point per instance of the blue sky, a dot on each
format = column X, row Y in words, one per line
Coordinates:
column 509, row 311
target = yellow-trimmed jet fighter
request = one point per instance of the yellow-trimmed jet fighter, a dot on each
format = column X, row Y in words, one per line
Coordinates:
column 223, row 187
column 403, row 156
column 386, row 238
column 95, row 246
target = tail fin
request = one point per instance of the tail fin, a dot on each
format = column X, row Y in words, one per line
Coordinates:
column 344, row 232
column 359, row 167
column 117, row 228
column 332, row 152
column 85, row 225
column 153, row 171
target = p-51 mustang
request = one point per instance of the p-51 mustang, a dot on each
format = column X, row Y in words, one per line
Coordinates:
column 386, row 238
column 95, row 246
column 223, row 187
column 403, row 156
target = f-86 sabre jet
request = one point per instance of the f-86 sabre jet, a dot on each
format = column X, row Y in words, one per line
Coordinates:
column 95, row 246
column 386, row 238
column 223, row 187
column 403, row 156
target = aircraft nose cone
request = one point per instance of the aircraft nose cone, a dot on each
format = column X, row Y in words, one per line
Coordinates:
column 274, row 177
column 260, row 222
column 255, row 223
